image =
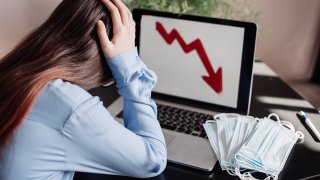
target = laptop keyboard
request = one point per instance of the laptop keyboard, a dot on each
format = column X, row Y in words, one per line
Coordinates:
column 181, row 120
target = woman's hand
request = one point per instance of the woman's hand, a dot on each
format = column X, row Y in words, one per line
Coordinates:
column 123, row 29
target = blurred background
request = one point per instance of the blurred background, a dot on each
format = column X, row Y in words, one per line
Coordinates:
column 288, row 38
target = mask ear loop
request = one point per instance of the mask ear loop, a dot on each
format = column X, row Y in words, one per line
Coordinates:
column 220, row 116
column 231, row 171
column 300, row 135
column 244, row 176
column 289, row 126
column 210, row 121
column 226, row 116
column 248, row 176
column 257, row 119
column 274, row 115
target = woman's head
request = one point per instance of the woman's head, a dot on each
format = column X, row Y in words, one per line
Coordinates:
column 66, row 46
column 68, row 41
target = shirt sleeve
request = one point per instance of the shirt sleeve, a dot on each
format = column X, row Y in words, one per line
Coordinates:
column 96, row 143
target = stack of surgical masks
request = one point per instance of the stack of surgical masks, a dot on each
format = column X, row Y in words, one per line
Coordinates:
column 245, row 145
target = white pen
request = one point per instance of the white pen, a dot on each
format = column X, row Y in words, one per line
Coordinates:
column 310, row 124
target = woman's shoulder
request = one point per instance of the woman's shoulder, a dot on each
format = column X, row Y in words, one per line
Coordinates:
column 56, row 102
column 67, row 92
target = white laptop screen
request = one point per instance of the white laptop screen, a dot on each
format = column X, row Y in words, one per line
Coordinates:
column 193, row 60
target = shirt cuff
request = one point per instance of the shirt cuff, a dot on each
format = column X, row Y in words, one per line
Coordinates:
column 124, row 65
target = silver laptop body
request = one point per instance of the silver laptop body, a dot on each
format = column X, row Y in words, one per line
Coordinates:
column 153, row 28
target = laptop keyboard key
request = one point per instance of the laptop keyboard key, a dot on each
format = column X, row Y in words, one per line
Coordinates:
column 170, row 127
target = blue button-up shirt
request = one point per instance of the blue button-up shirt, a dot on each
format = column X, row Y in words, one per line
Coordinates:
column 69, row 130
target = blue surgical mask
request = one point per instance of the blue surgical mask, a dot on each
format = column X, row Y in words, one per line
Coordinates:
column 245, row 143
column 268, row 148
column 242, row 131
column 211, row 128
column 226, row 133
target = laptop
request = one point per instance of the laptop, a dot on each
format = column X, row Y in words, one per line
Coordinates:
column 204, row 67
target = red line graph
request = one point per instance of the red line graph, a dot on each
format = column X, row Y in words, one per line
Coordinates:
column 214, row 79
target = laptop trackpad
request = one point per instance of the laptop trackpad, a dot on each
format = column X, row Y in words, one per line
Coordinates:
column 190, row 150
column 168, row 138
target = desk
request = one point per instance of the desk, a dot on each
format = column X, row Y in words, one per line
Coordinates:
column 269, row 94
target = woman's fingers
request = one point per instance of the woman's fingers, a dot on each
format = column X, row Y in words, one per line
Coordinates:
column 129, row 14
column 102, row 34
column 123, row 30
column 123, row 11
column 115, row 15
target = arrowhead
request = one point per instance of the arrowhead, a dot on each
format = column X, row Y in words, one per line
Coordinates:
column 214, row 80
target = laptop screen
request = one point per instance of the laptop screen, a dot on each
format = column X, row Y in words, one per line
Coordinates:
column 193, row 60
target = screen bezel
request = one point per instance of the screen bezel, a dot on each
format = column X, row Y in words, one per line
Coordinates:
column 245, row 83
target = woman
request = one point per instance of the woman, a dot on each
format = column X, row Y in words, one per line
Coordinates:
column 50, row 126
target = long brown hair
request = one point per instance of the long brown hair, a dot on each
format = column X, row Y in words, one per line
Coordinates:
column 66, row 46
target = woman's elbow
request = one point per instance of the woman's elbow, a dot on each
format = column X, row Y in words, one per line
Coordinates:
column 153, row 162
column 161, row 165
column 154, row 168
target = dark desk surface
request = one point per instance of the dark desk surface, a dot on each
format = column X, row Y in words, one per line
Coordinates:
column 269, row 94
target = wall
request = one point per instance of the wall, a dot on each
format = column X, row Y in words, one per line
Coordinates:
column 19, row 17
column 290, row 48
column 292, row 44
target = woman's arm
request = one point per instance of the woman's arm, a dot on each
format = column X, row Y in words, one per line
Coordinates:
column 95, row 142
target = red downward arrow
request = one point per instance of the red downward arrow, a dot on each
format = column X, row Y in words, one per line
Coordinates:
column 214, row 79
